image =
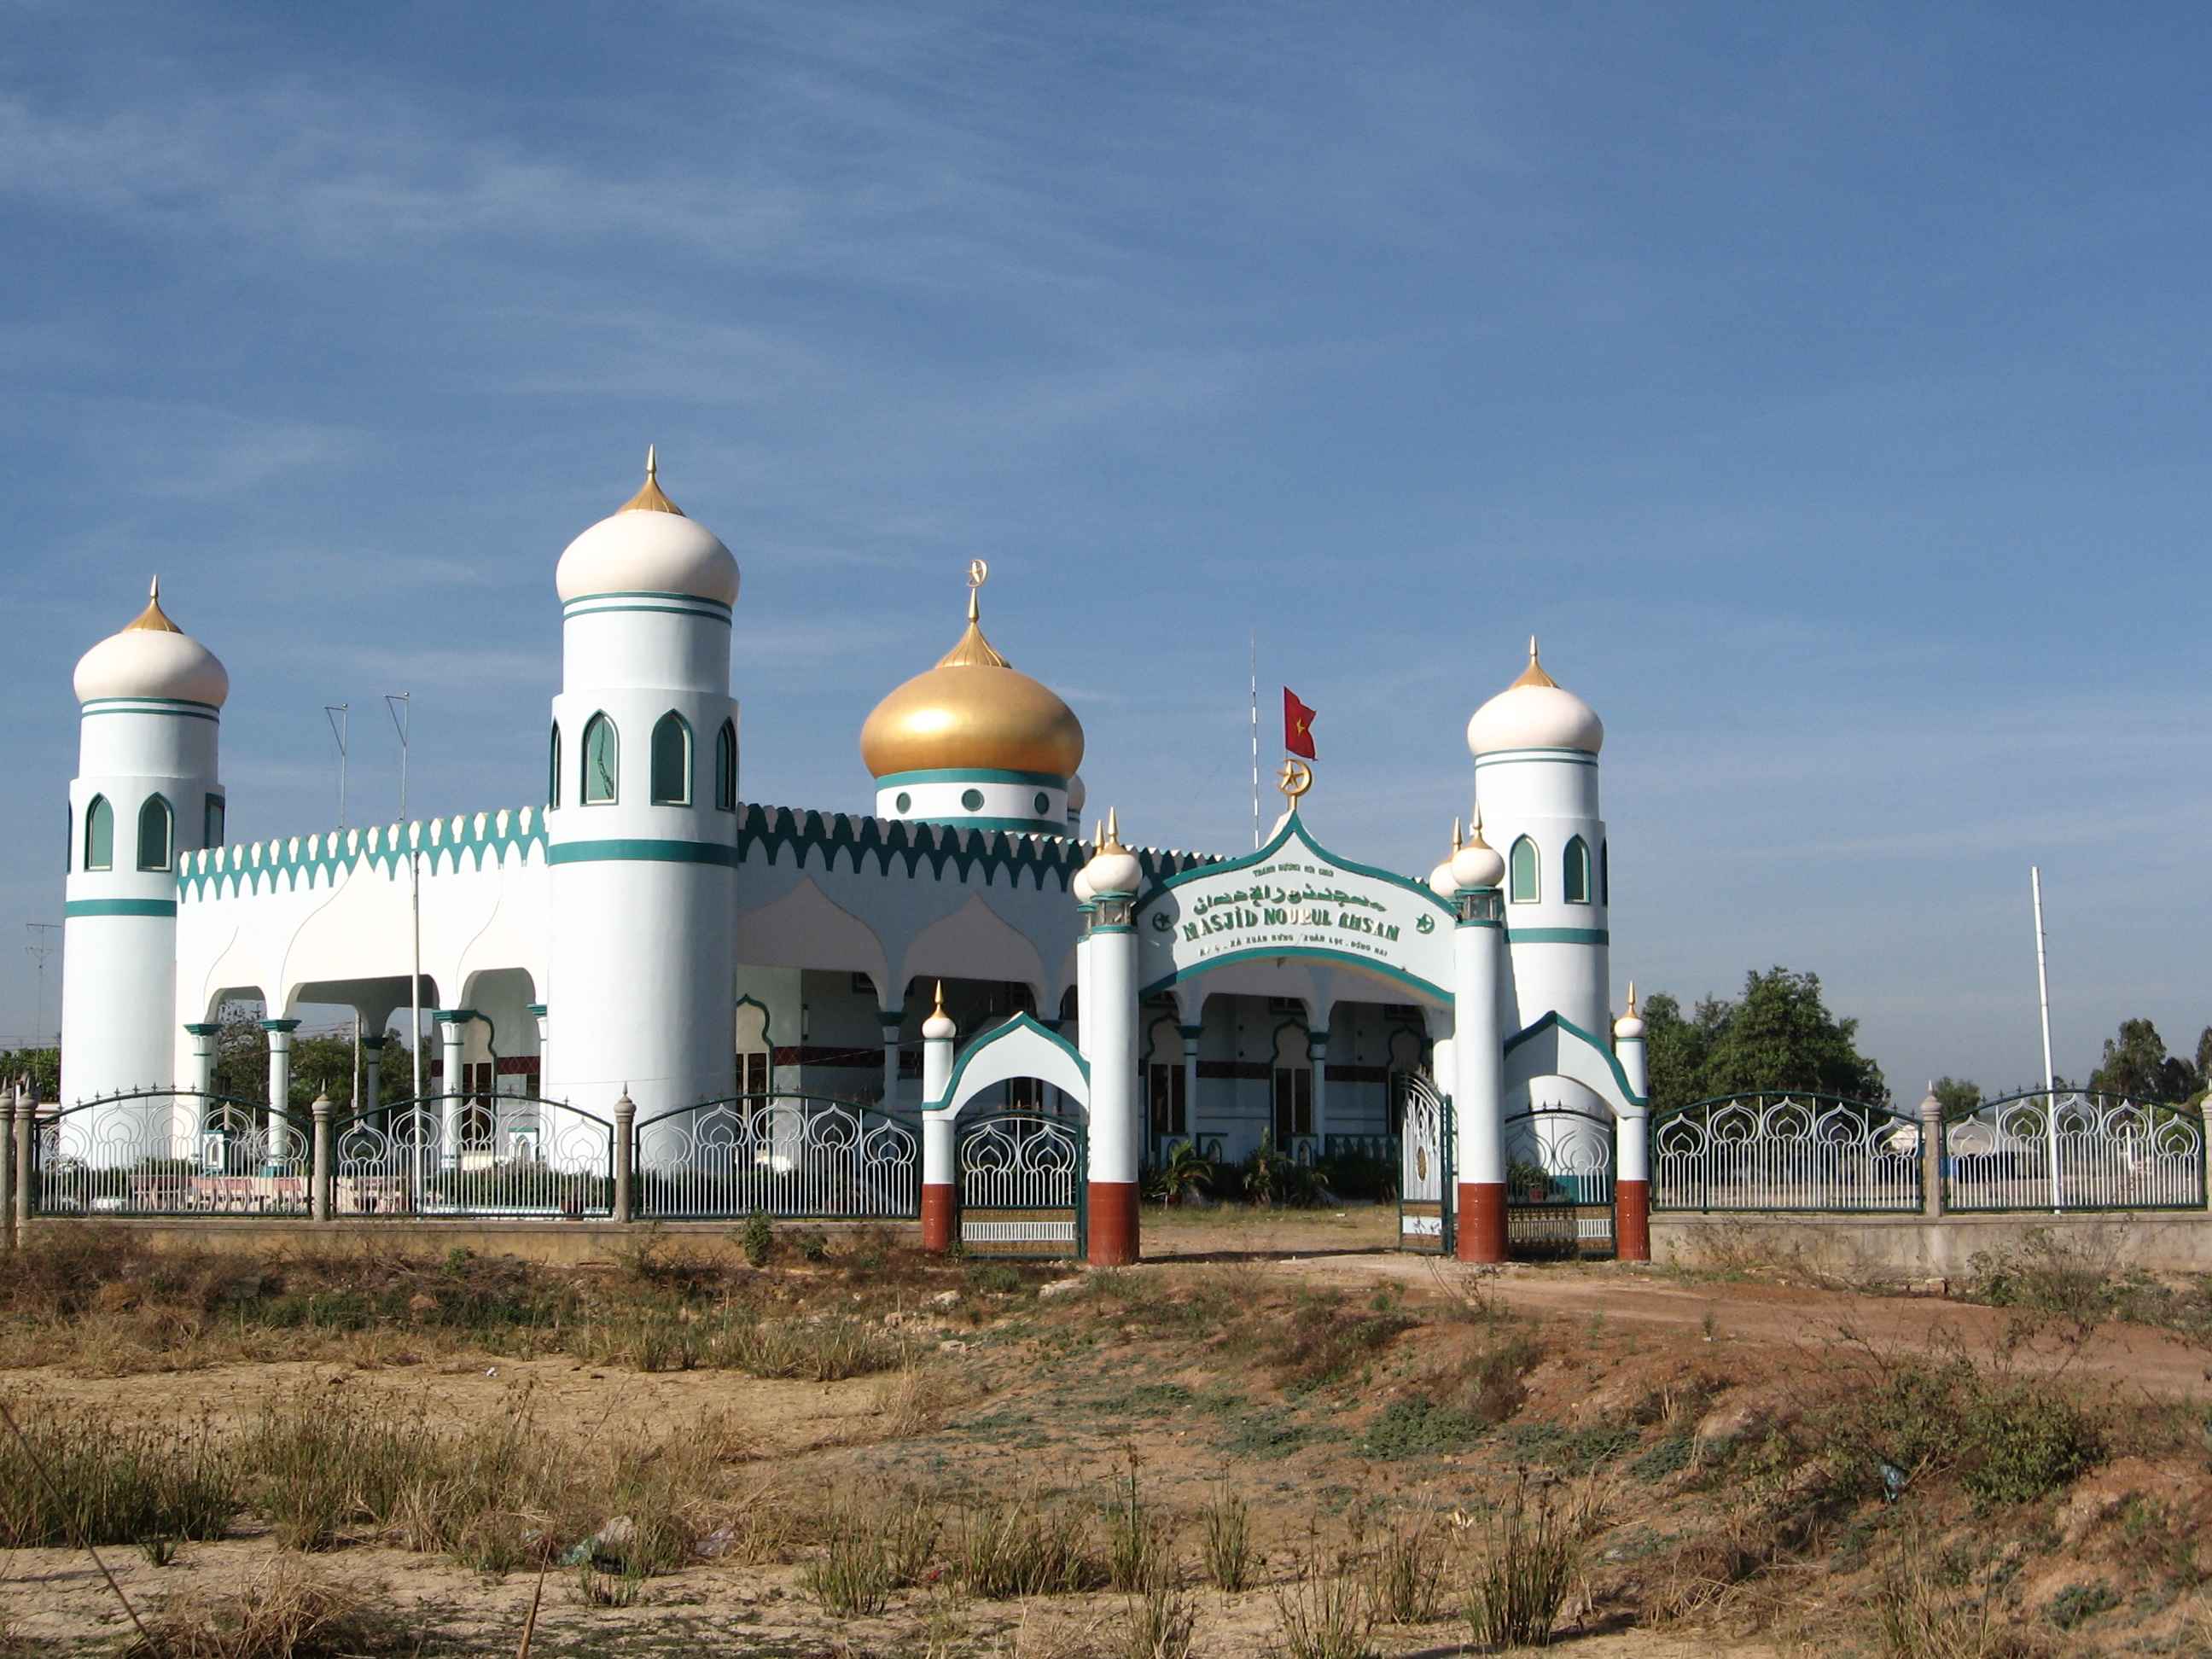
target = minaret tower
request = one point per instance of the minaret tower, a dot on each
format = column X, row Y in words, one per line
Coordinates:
column 146, row 793
column 642, row 818
column 1535, row 748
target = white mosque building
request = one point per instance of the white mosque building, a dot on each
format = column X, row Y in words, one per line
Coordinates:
column 651, row 930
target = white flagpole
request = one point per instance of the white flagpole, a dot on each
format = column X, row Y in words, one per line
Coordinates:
column 2042, row 993
column 1255, row 739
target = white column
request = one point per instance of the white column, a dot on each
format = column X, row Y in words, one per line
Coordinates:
column 1190, row 1035
column 280, row 1084
column 203, row 1037
column 888, row 1021
column 1479, row 1095
column 453, row 1033
column 1318, row 1058
column 1116, row 1121
column 372, row 1073
column 1631, row 1193
column 938, row 1174
column 544, row 1072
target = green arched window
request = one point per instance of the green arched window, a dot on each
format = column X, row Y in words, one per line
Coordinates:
column 157, row 833
column 1574, row 876
column 1604, row 872
column 211, row 821
column 725, row 767
column 1525, row 884
column 602, row 760
column 99, row 835
column 671, row 761
column 553, row 768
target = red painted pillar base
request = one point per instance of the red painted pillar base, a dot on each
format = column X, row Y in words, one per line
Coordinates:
column 1112, row 1222
column 1632, row 1221
column 936, row 1218
column 1482, row 1221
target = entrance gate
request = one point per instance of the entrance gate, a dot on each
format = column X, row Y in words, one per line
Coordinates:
column 1558, row 1185
column 1424, row 1171
column 1020, row 1177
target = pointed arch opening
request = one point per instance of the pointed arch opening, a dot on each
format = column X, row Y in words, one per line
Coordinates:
column 1525, row 873
column 671, row 761
column 157, row 833
column 99, row 835
column 553, row 768
column 1575, row 872
column 725, row 767
column 602, row 759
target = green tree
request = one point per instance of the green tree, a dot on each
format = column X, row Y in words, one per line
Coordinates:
column 1675, row 1048
column 42, row 1065
column 320, row 1063
column 1957, row 1094
column 2135, row 1064
column 1779, row 1035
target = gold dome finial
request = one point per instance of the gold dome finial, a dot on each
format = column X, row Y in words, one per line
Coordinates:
column 1456, row 841
column 1632, row 999
column 972, row 650
column 1474, row 828
column 1534, row 674
column 939, row 1010
column 649, row 498
column 153, row 619
column 1112, row 842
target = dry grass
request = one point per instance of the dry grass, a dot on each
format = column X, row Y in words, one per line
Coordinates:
column 279, row 1613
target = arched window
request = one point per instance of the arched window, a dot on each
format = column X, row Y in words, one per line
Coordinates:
column 725, row 767
column 553, row 768
column 99, row 835
column 671, row 761
column 602, row 760
column 1604, row 872
column 1524, row 872
column 211, row 821
column 157, row 833
column 1574, row 877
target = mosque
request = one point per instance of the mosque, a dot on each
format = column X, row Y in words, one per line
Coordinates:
column 652, row 933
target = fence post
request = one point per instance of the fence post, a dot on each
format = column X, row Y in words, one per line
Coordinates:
column 26, row 1107
column 319, row 1197
column 625, row 1141
column 8, row 1161
column 1931, row 1154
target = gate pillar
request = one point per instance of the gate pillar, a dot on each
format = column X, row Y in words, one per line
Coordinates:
column 1631, row 1190
column 1109, row 1045
column 1478, row 1050
column 937, row 1128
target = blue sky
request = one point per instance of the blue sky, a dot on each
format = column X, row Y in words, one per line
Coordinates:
column 1825, row 385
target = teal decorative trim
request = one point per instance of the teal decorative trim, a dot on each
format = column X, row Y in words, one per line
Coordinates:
column 454, row 1016
column 534, row 1008
column 445, row 843
column 998, row 1033
column 637, row 850
column 704, row 615
column 177, row 706
column 1291, row 827
column 680, row 604
column 1012, row 826
column 890, row 1016
column 278, row 1025
column 1558, row 936
column 216, row 1030
column 1537, row 757
column 1555, row 1018
column 963, row 850
column 1098, row 927
column 119, row 908
column 1471, row 921
column 1334, row 958
column 975, row 774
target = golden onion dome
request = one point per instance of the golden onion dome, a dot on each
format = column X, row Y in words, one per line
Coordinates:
column 974, row 711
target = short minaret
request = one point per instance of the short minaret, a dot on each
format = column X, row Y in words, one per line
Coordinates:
column 642, row 819
column 1535, row 747
column 1632, row 1189
column 1109, row 1047
column 939, row 1177
column 1478, row 1050
column 147, row 791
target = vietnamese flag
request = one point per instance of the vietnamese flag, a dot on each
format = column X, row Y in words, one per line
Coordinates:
column 1297, row 725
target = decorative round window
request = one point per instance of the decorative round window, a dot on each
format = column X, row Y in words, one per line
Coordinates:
column 904, row 803
column 972, row 800
column 1043, row 803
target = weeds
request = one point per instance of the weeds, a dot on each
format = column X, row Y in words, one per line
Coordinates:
column 854, row 1575
column 1226, row 1540
column 114, row 1483
column 1529, row 1559
column 1408, row 1587
column 1325, row 1614
column 1162, row 1623
column 1023, row 1546
column 280, row 1614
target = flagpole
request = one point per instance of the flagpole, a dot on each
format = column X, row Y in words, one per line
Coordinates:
column 1255, row 739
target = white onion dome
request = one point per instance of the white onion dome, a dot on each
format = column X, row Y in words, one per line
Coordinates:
column 1535, row 712
column 974, row 711
column 1113, row 868
column 1477, row 864
column 647, row 546
column 1078, row 792
column 1440, row 878
column 1630, row 1025
column 1080, row 887
column 939, row 1027
column 152, row 656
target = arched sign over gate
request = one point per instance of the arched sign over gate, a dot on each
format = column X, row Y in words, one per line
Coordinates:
column 1294, row 899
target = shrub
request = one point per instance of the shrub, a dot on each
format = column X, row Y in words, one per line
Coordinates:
column 1272, row 1176
column 756, row 1238
column 2025, row 1441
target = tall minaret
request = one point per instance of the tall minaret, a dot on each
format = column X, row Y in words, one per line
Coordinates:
column 147, row 791
column 1535, row 748
column 642, row 819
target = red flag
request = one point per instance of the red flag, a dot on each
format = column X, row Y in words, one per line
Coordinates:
column 1297, row 725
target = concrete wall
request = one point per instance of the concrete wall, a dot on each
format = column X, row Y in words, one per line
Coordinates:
column 1862, row 1247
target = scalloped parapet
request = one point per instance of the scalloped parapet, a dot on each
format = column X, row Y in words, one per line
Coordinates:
column 286, row 863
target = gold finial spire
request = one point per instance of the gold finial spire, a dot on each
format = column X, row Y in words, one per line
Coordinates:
column 153, row 619
column 1455, row 840
column 1112, row 842
column 1475, row 826
column 1534, row 674
column 973, row 650
column 941, row 997
column 649, row 498
column 1632, row 999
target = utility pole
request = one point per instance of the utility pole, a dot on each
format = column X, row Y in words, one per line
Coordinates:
column 2049, row 1085
column 43, row 939
column 401, row 710
column 340, row 715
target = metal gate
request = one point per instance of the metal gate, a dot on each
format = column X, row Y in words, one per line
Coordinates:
column 1558, row 1184
column 171, row 1152
column 792, row 1156
column 1021, row 1178
column 472, row 1154
column 1424, row 1171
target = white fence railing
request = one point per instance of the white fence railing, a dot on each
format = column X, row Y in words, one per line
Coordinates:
column 789, row 1156
column 2074, row 1150
column 1782, row 1151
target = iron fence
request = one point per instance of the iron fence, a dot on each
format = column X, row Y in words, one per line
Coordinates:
column 1558, row 1182
column 790, row 1157
column 1020, row 1180
column 1786, row 1151
column 513, row 1156
column 171, row 1152
column 2073, row 1149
